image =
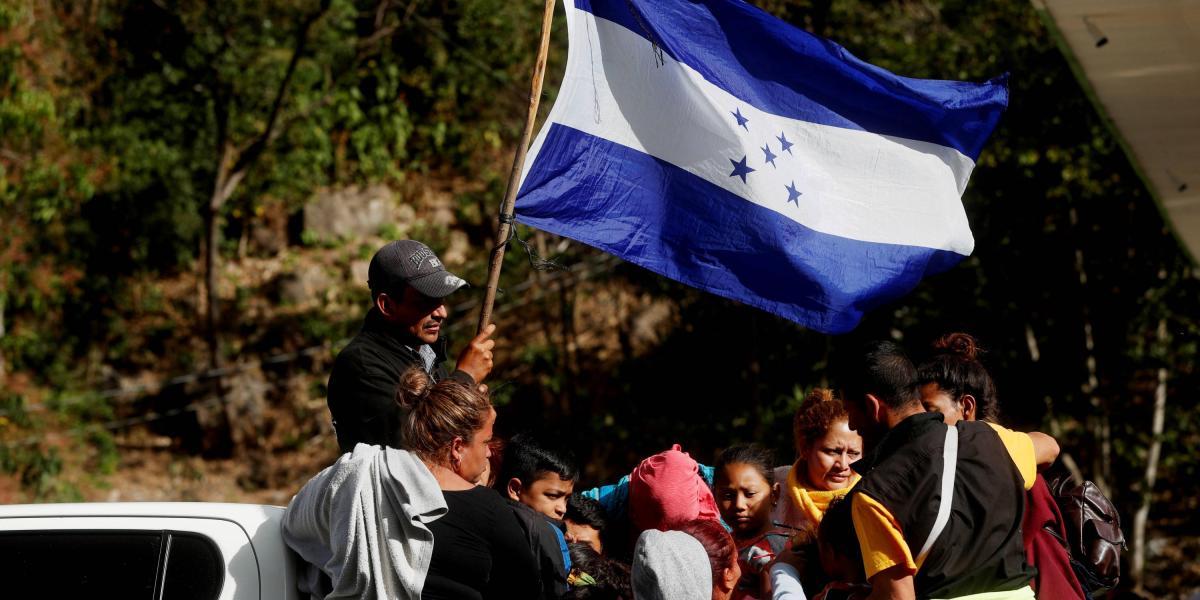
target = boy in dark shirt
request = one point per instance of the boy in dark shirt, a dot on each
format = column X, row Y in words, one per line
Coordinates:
column 537, row 481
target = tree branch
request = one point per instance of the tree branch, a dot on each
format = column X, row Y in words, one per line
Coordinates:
column 381, row 13
column 276, row 124
column 250, row 155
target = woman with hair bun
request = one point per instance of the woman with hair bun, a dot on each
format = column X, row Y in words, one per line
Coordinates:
column 955, row 383
column 480, row 550
column 411, row 523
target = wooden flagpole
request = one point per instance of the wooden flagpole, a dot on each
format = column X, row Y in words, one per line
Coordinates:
column 514, row 178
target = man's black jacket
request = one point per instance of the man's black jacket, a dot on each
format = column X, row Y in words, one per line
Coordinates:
column 362, row 387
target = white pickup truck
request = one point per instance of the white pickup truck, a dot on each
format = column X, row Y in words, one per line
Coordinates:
column 145, row 550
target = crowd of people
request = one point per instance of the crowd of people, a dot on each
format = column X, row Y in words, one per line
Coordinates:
column 903, row 485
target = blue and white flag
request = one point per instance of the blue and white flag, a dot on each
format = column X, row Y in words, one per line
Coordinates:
column 714, row 144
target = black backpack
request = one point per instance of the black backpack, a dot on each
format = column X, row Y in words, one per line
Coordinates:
column 1094, row 537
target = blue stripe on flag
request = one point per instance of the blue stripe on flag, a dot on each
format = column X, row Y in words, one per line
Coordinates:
column 789, row 72
column 676, row 224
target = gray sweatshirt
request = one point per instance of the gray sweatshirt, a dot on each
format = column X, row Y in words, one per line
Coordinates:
column 362, row 524
column 670, row 565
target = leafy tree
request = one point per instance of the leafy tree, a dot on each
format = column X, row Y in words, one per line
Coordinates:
column 191, row 113
column 43, row 179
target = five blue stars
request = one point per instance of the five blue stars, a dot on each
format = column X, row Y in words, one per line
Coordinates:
column 787, row 146
column 740, row 169
column 793, row 194
column 770, row 157
column 741, row 121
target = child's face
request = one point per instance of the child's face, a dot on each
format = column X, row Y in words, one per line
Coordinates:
column 547, row 494
column 745, row 499
column 584, row 534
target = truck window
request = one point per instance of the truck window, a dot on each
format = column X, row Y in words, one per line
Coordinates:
column 194, row 568
column 109, row 564
column 79, row 564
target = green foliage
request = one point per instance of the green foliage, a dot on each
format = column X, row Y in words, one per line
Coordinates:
column 320, row 327
column 105, row 457
column 38, row 470
column 83, row 408
column 43, row 179
column 545, row 360
column 12, row 410
column 114, row 117
column 387, row 231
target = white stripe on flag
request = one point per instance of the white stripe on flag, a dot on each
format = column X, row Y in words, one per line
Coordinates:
column 854, row 184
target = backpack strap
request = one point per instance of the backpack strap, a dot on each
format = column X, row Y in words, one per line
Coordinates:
column 950, row 464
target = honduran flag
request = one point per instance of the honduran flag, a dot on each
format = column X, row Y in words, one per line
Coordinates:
column 714, row 144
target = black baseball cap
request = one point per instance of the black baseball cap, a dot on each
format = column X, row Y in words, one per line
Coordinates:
column 411, row 263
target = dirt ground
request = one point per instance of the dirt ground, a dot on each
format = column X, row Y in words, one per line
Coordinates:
column 147, row 475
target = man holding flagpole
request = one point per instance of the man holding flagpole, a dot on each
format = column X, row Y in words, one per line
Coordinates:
column 403, row 330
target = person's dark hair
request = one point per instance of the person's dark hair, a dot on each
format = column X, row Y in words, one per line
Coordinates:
column 753, row 455
column 718, row 544
column 437, row 413
column 840, row 555
column 585, row 511
column 957, row 370
column 816, row 416
column 612, row 579
column 883, row 370
column 528, row 459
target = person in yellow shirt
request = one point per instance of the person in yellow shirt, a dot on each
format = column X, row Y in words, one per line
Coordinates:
column 911, row 545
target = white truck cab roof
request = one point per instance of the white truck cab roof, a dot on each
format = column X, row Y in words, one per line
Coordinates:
column 154, row 550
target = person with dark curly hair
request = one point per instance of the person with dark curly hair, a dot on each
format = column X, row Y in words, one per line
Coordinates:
column 955, row 383
column 595, row 577
column 586, row 522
